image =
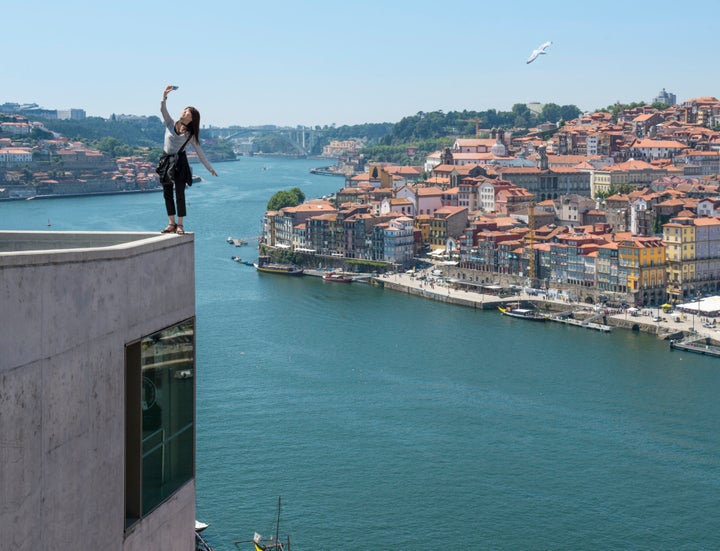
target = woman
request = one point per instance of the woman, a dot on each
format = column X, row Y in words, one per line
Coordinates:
column 178, row 134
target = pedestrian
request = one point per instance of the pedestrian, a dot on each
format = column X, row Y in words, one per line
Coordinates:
column 178, row 134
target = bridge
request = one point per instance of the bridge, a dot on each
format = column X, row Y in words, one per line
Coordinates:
column 301, row 138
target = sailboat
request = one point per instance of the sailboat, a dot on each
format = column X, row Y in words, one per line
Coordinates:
column 273, row 543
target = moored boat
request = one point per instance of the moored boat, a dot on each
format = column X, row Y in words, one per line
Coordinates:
column 264, row 265
column 522, row 313
column 337, row 277
column 273, row 543
column 200, row 543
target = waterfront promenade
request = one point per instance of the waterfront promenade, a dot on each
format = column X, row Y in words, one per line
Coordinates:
column 437, row 289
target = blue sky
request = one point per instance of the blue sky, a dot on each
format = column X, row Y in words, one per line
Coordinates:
column 333, row 62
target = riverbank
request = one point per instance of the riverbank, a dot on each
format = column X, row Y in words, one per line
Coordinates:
column 327, row 171
column 643, row 320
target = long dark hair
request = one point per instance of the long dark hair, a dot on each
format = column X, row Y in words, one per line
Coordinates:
column 194, row 125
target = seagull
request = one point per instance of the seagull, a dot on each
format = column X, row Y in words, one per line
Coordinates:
column 540, row 50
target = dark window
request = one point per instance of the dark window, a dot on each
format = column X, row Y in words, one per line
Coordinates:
column 160, row 417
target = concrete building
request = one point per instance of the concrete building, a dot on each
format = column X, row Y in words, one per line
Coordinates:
column 667, row 98
column 97, row 391
column 71, row 114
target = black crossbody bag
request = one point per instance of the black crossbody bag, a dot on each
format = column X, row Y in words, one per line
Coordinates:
column 175, row 167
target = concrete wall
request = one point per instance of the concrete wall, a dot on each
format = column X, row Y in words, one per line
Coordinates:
column 66, row 316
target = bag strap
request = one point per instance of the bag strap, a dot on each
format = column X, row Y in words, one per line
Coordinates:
column 183, row 145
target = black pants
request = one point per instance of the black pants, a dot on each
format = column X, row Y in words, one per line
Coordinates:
column 179, row 198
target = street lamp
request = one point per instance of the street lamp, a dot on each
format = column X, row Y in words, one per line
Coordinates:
column 697, row 296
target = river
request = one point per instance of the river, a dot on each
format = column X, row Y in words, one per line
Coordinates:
column 389, row 421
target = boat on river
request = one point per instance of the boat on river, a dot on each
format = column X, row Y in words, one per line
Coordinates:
column 264, row 265
column 200, row 543
column 522, row 313
column 273, row 543
column 337, row 277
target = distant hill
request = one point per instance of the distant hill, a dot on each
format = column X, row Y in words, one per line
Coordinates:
column 134, row 132
column 120, row 137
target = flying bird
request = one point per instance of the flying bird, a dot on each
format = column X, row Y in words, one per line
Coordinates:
column 540, row 50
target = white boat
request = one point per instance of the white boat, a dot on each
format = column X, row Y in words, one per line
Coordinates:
column 337, row 277
column 200, row 526
column 236, row 241
column 523, row 313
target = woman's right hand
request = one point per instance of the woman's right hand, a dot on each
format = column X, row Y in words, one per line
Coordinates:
column 169, row 88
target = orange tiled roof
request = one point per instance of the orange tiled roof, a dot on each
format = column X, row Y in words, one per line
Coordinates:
column 649, row 143
column 706, row 222
column 475, row 142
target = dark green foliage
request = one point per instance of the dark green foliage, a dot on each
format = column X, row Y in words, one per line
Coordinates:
column 219, row 150
column 139, row 132
column 407, row 153
column 286, row 198
column 142, row 136
column 113, row 147
column 624, row 189
column 436, row 125
column 38, row 134
column 616, row 108
column 373, row 132
column 274, row 143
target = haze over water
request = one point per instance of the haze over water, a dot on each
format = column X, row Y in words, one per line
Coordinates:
column 390, row 421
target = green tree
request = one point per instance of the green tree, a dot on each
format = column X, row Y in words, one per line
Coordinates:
column 569, row 112
column 286, row 198
column 39, row 134
column 551, row 112
column 26, row 175
column 113, row 147
column 523, row 116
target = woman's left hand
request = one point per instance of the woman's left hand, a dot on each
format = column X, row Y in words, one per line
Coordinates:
column 212, row 171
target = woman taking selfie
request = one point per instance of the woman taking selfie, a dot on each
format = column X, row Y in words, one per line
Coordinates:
column 178, row 134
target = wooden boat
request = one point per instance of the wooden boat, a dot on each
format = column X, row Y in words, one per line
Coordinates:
column 337, row 277
column 264, row 265
column 523, row 313
column 259, row 544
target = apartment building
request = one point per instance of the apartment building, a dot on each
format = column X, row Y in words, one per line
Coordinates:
column 642, row 269
column 447, row 223
column 680, row 237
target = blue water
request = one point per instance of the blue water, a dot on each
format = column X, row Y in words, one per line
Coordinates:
column 390, row 421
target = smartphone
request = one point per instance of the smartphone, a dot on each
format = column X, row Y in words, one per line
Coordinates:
column 175, row 87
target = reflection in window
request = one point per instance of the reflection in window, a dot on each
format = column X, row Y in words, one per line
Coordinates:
column 160, row 417
column 167, row 400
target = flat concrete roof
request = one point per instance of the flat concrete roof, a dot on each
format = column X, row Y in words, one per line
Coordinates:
column 19, row 248
column 17, row 241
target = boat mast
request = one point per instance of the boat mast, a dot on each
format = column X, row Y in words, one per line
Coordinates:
column 277, row 525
